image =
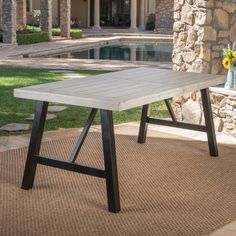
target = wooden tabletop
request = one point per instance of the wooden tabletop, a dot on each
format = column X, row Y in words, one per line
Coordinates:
column 121, row 90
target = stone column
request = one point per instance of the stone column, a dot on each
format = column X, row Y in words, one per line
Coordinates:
column 133, row 14
column 0, row 14
column 9, row 21
column 46, row 16
column 142, row 15
column 96, row 15
column 65, row 17
column 21, row 12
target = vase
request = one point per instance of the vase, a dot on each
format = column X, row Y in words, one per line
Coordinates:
column 231, row 79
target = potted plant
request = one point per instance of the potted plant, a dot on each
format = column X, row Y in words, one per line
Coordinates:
column 229, row 62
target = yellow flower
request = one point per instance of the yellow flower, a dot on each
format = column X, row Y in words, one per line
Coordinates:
column 234, row 54
column 226, row 63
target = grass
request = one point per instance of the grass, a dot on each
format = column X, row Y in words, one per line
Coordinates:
column 14, row 110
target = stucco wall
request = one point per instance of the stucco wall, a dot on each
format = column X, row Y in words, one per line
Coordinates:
column 36, row 6
column 79, row 10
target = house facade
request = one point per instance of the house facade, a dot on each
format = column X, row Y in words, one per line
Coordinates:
column 134, row 15
column 112, row 13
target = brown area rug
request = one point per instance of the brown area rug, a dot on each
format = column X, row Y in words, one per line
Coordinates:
column 168, row 186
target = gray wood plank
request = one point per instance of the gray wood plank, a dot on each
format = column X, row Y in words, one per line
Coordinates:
column 121, row 90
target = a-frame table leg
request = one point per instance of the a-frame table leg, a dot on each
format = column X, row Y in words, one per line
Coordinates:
column 35, row 143
column 109, row 151
column 210, row 128
column 143, row 124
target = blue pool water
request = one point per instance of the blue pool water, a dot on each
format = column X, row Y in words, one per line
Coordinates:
column 160, row 52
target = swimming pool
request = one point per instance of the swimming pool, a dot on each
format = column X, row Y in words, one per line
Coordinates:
column 160, row 52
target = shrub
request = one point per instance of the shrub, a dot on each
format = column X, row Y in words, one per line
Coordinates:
column 56, row 32
column 74, row 33
column 31, row 37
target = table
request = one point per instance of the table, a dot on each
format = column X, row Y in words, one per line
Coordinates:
column 116, row 91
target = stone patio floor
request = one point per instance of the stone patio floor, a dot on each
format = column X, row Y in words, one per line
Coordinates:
column 18, row 141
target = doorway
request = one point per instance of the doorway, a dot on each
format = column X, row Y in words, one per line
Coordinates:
column 114, row 13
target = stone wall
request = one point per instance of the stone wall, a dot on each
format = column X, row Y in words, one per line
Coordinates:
column 224, row 110
column 202, row 29
column 164, row 16
column 223, row 107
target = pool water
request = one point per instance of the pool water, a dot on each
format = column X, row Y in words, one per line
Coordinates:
column 160, row 52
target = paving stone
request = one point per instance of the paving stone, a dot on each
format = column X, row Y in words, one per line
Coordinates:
column 49, row 117
column 56, row 108
column 14, row 127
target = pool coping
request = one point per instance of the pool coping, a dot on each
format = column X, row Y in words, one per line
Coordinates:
column 100, row 42
column 79, row 64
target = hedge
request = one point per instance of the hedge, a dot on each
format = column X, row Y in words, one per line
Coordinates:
column 74, row 33
column 37, row 37
column 32, row 37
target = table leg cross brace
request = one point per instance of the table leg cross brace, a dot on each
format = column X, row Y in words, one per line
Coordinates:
column 208, row 127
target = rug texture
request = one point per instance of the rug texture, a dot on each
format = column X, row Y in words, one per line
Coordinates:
column 168, row 186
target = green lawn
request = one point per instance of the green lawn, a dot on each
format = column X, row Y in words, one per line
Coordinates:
column 14, row 110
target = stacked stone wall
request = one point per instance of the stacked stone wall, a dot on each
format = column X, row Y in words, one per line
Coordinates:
column 202, row 29
column 223, row 102
column 164, row 16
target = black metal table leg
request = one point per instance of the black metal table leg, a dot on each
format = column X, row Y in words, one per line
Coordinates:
column 35, row 143
column 83, row 135
column 110, row 161
column 210, row 129
column 143, row 124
